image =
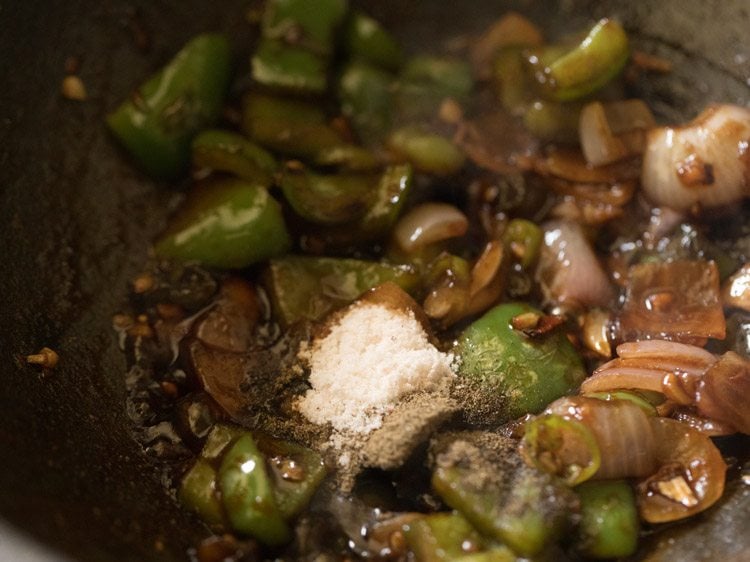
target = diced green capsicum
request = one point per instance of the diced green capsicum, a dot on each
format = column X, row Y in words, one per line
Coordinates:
column 609, row 519
column 231, row 152
column 366, row 94
column 553, row 121
column 528, row 372
column 587, row 67
column 297, row 43
column 444, row 77
column 503, row 499
column 158, row 123
column 326, row 199
column 365, row 39
column 198, row 493
column 247, row 494
column 512, row 81
column 442, row 537
column 292, row 473
column 561, row 446
column 226, row 223
column 346, row 157
column 524, row 239
column 277, row 65
column 311, row 25
column 296, row 472
column 309, row 287
column 219, row 438
column 293, row 127
column 388, row 200
column 427, row 152
column 425, row 82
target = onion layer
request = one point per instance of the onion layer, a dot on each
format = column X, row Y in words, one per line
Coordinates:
column 704, row 163
column 568, row 270
column 691, row 477
column 429, row 223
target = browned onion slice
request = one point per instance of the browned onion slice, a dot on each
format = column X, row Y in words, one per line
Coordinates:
column 624, row 378
column 724, row 392
column 622, row 431
column 691, row 477
column 656, row 365
column 665, row 348
column 569, row 271
column 429, row 223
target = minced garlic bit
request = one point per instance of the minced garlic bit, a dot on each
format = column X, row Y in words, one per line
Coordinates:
column 72, row 88
column 46, row 358
column 371, row 358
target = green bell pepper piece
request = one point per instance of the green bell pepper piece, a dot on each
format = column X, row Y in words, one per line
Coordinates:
column 587, row 67
column 427, row 152
column 226, row 223
column 311, row 25
column 528, row 372
column 346, row 157
column 512, row 82
column 326, row 199
column 280, row 66
column 231, row 152
column 297, row 473
column 158, row 123
column 365, row 39
column 292, row 127
column 219, row 438
column 445, row 77
column 388, row 200
column 309, row 287
column 561, row 446
column 552, row 121
column 442, row 536
column 198, row 493
column 524, row 239
column 503, row 498
column 247, row 494
column 425, row 82
column 609, row 520
column 366, row 94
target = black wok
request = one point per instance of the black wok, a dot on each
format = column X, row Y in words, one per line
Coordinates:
column 76, row 220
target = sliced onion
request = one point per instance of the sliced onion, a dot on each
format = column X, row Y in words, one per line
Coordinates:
column 691, row 477
column 681, row 353
column 736, row 290
column 230, row 324
column 705, row 163
column 429, row 223
column 613, row 131
column 656, row 365
column 569, row 271
column 568, row 164
column 724, row 392
column 706, row 426
column 617, row 377
column 622, row 432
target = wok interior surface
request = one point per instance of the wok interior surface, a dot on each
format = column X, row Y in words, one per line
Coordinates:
column 76, row 220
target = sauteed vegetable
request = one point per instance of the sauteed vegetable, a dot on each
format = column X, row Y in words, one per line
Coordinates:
column 474, row 306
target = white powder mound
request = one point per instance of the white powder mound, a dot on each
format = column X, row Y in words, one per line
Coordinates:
column 372, row 357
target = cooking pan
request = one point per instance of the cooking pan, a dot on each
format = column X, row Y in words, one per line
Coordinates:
column 76, row 220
